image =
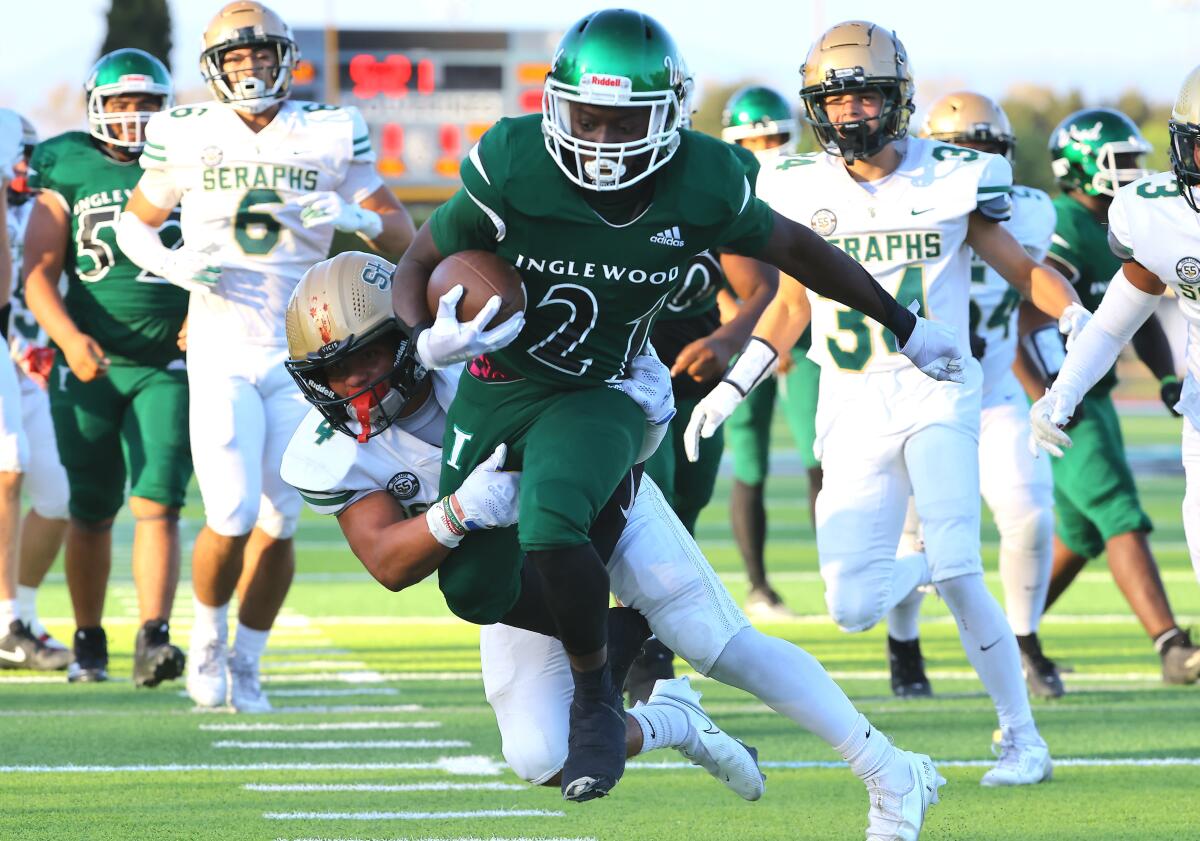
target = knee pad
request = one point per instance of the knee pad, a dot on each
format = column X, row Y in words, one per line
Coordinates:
column 531, row 752
column 854, row 609
column 275, row 524
column 236, row 521
column 1025, row 530
column 92, row 502
column 49, row 499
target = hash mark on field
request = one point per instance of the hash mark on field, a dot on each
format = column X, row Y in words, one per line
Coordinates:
column 463, row 766
column 410, row 816
column 378, row 787
column 350, row 709
column 389, row 744
column 343, row 725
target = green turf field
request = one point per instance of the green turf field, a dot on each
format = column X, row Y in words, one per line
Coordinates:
column 382, row 732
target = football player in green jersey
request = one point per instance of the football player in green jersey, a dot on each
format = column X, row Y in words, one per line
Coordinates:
column 600, row 229
column 762, row 121
column 1093, row 153
column 118, row 389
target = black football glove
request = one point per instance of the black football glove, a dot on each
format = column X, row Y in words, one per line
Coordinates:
column 1170, row 389
column 978, row 346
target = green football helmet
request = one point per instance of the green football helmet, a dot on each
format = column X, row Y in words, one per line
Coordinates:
column 1097, row 151
column 124, row 72
column 757, row 111
column 614, row 58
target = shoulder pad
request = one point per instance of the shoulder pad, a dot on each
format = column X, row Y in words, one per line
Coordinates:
column 318, row 458
column 712, row 180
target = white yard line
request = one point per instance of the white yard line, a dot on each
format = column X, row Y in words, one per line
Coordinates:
column 348, row 709
column 464, row 766
column 376, row 787
column 411, row 816
column 471, row 838
column 314, row 665
column 365, row 676
column 1076, row 762
column 382, row 744
column 257, row 727
column 332, row 693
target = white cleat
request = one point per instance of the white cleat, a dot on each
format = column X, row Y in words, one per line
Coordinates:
column 1019, row 763
column 245, row 690
column 207, row 680
column 899, row 815
column 708, row 746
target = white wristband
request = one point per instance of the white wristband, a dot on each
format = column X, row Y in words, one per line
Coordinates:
column 441, row 526
column 757, row 362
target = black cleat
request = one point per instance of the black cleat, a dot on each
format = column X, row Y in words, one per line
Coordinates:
column 1041, row 673
column 91, row 656
column 908, row 669
column 655, row 663
column 154, row 658
column 596, row 744
column 20, row 649
column 1180, row 659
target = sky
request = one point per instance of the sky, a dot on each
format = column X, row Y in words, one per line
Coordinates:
column 1101, row 47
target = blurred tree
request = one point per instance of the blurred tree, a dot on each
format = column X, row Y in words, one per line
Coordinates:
column 144, row 24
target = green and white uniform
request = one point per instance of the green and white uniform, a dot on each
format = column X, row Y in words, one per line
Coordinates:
column 1094, row 489
column 593, row 290
column 131, row 421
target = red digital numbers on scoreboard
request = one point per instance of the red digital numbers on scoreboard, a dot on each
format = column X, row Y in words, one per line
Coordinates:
column 391, row 75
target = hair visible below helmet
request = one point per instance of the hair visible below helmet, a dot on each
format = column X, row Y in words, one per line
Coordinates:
column 966, row 117
column 246, row 23
column 857, row 56
column 1084, row 149
column 340, row 306
column 757, row 111
column 1185, row 131
column 614, row 58
column 126, row 71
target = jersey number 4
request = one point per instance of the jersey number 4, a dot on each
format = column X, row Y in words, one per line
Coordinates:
column 854, row 357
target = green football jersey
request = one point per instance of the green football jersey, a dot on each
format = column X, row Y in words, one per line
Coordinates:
column 134, row 315
column 1080, row 243
column 593, row 288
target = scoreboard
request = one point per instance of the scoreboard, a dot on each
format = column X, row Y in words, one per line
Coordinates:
column 426, row 96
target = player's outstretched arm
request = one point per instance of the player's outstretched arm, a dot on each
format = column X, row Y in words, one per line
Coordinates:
column 397, row 231
column 137, row 237
column 1049, row 291
column 46, row 240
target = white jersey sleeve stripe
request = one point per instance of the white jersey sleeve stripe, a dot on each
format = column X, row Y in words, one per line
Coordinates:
column 501, row 229
column 478, row 164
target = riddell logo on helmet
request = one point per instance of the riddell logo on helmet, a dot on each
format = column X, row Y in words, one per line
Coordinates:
column 602, row 80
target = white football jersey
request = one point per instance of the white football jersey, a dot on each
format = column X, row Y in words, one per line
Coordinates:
column 1151, row 223
column 908, row 230
column 23, row 328
column 332, row 471
column 237, row 191
column 994, row 303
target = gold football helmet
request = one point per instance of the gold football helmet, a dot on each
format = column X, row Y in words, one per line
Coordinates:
column 246, row 23
column 965, row 117
column 1185, row 131
column 341, row 306
column 857, row 56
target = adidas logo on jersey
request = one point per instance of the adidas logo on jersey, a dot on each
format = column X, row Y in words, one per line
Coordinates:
column 671, row 236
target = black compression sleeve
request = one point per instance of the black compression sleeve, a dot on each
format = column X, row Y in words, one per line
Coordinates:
column 5, row 315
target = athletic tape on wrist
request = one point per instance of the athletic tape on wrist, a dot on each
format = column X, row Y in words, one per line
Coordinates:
column 757, row 362
column 441, row 526
column 1045, row 348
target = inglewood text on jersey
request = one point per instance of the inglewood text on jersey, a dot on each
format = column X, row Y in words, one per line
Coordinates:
column 100, row 199
column 266, row 177
column 562, row 267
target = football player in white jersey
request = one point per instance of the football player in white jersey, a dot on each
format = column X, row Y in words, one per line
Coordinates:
column 911, row 210
column 383, row 487
column 45, row 480
column 262, row 182
column 1152, row 228
column 1017, row 486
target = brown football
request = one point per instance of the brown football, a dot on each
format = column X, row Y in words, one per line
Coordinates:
column 482, row 275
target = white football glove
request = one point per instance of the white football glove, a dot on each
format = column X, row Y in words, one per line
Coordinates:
column 327, row 207
column 192, row 270
column 712, row 411
column 489, row 496
column 1046, row 418
column 649, row 386
column 450, row 341
column 933, row 347
column 1072, row 321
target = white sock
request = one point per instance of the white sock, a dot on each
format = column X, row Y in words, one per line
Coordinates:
column 904, row 620
column 1026, row 558
column 992, row 650
column 789, row 680
column 27, row 609
column 8, row 614
column 663, row 726
column 210, row 623
column 869, row 754
column 250, row 643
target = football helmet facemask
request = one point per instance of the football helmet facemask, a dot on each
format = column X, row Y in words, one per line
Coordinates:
column 1185, row 132
column 857, row 56
column 966, row 117
column 341, row 306
column 126, row 71
column 1097, row 151
column 243, row 24
column 614, row 58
